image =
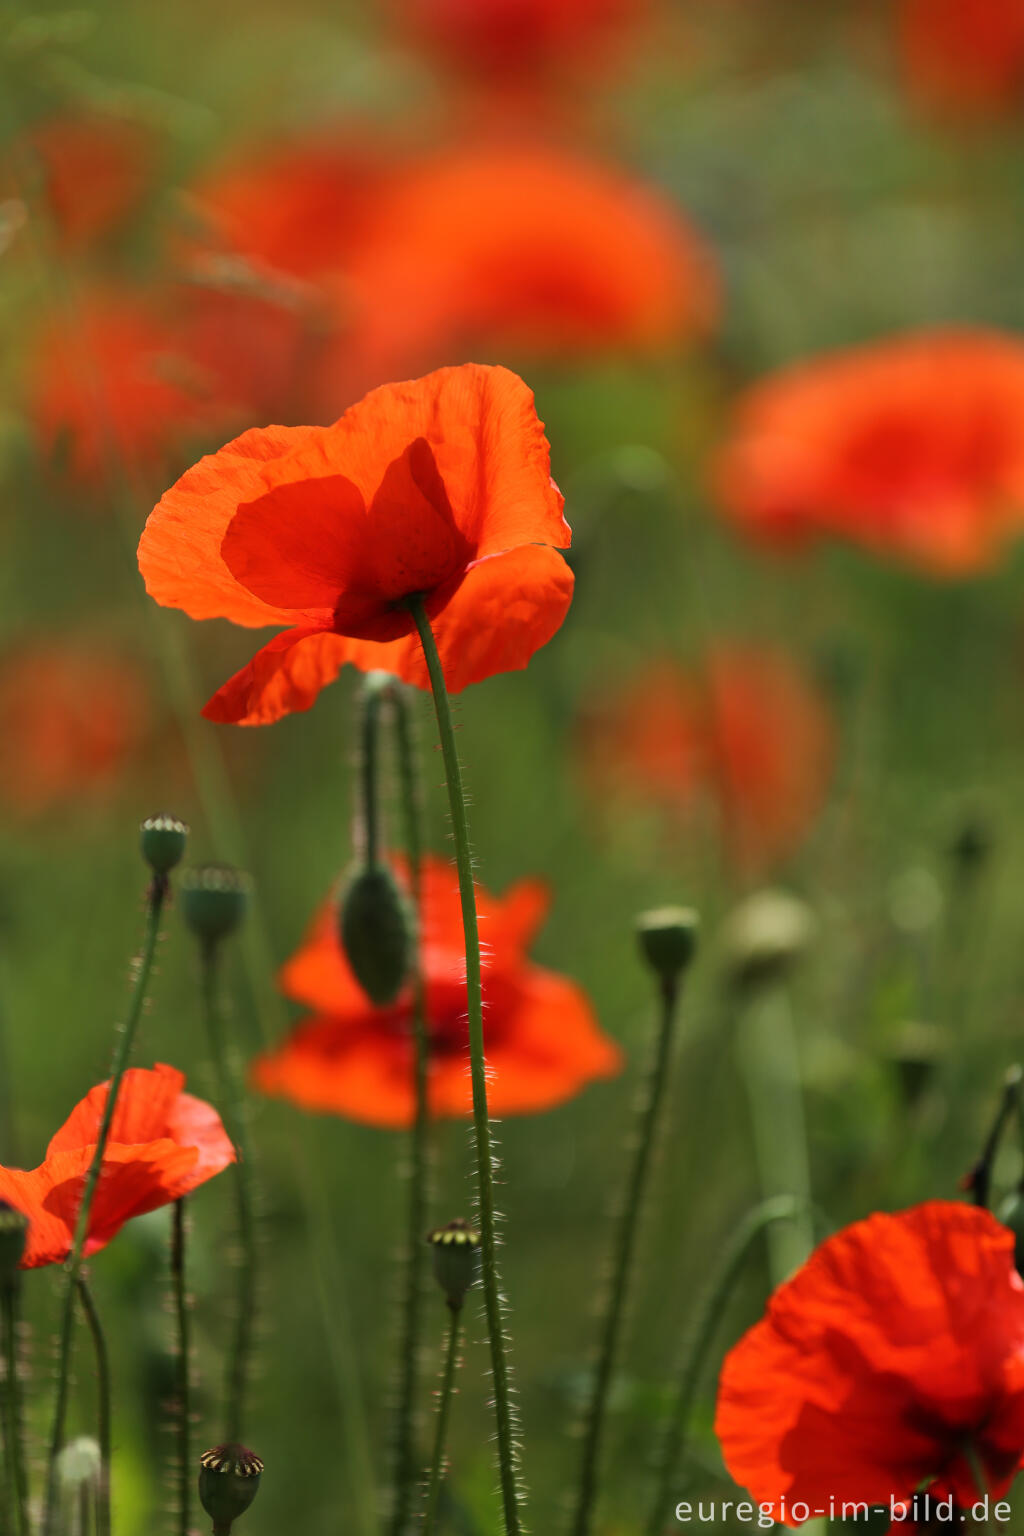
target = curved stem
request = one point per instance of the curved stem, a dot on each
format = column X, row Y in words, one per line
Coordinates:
column 103, row 1411
column 232, row 1108
column 157, row 896
column 648, row 1108
column 419, row 1173
column 444, row 1403
column 14, row 1441
column 507, row 1459
column 183, row 1405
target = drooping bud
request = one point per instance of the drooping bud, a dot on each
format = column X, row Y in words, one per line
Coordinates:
column 162, row 840
column 456, row 1253
column 376, row 930
column 668, row 940
column 766, row 935
column 13, row 1240
column 214, row 899
column 229, row 1480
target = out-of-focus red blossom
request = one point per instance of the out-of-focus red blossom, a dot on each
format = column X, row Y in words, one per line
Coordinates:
column 72, row 717
column 912, row 447
column 747, row 734
column 965, row 58
column 351, row 1059
column 440, row 487
column 163, row 1144
column 891, row 1357
column 95, row 172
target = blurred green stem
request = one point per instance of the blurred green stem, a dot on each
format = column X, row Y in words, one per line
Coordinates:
column 103, row 1410
column 624, row 1242
column 157, row 896
column 232, row 1107
column 444, row 1403
column 183, row 1394
column 14, row 1440
column 507, row 1458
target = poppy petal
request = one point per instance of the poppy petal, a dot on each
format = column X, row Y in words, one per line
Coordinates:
column 144, row 1102
column 285, row 677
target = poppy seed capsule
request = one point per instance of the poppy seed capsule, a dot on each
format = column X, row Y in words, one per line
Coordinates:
column 375, row 926
column 456, row 1252
column 162, row 840
column 13, row 1241
column 766, row 936
column 214, row 899
column 668, row 939
column 229, row 1480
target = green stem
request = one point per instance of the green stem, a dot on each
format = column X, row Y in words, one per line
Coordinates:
column 103, row 1409
column 419, row 1173
column 702, row 1335
column 507, row 1459
column 122, row 1051
column 232, row 1108
column 14, row 1440
column 183, row 1395
column 624, row 1243
column 444, row 1403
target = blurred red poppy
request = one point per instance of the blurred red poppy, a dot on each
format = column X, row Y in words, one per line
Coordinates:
column 748, row 733
column 95, row 172
column 965, row 57
column 888, row 1360
column 440, row 487
column 163, row 1144
column 351, row 1059
column 913, row 447
column 72, row 716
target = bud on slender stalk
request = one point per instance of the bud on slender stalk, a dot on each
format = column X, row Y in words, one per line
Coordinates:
column 13, row 1240
column 668, row 940
column 456, row 1253
column 229, row 1480
column 376, row 929
column 162, row 840
column 214, row 899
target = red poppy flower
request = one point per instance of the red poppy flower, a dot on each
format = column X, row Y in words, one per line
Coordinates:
column 163, row 1144
column 351, row 1059
column 749, row 734
column 913, row 447
column 965, row 57
column 440, row 487
column 898, row 1344
column 71, row 718
column 95, row 170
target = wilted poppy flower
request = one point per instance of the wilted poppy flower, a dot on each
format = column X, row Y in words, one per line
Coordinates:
column 913, row 447
column 351, row 1059
column 748, row 735
column 95, row 171
column 893, row 1352
column 440, row 487
column 163, row 1144
column 71, row 717
column 965, row 57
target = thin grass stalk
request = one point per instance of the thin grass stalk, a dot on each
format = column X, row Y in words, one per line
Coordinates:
column 438, row 1462
column 511, row 1492
column 183, row 1385
column 103, row 1406
column 14, row 1436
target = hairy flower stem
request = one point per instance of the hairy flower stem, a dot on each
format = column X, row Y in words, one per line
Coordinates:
column 624, row 1243
column 183, row 1394
column 232, row 1108
column 155, row 905
column 510, row 1490
column 405, row 1469
column 103, row 1409
column 14, row 1440
column 444, row 1403
column 703, row 1329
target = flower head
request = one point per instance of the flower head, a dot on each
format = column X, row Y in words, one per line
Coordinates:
column 351, row 1059
column 912, row 447
column 440, row 488
column 896, row 1350
column 163, row 1143
column 965, row 58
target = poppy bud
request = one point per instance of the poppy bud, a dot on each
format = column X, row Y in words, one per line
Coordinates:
column 915, row 1052
column 213, row 900
column 376, row 933
column 229, row 1480
column 668, row 939
column 766, row 935
column 13, row 1239
column 456, row 1251
column 162, row 840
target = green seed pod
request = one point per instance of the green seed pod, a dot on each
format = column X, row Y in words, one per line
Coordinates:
column 668, row 939
column 376, row 930
column 214, row 899
column 13, row 1240
column 229, row 1480
column 162, row 840
column 456, row 1251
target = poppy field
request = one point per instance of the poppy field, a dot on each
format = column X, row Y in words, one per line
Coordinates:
column 511, row 767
